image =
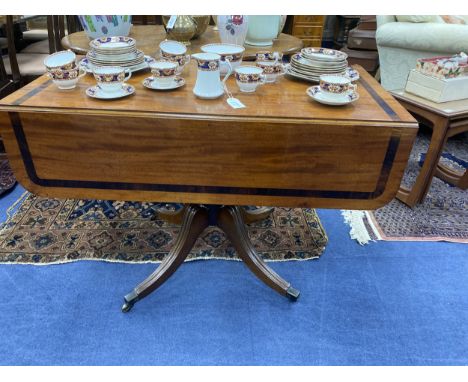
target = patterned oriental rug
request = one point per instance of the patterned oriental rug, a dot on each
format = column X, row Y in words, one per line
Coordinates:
column 443, row 216
column 45, row 231
column 7, row 179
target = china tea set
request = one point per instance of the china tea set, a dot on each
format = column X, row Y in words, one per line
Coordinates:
column 113, row 61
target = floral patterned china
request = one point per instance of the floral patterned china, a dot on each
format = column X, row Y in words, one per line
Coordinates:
column 271, row 70
column 111, row 78
column 88, row 66
column 248, row 77
column 119, row 44
column 63, row 60
column 324, row 54
column 317, row 94
column 163, row 72
column 230, row 52
column 334, row 90
column 349, row 72
column 232, row 28
column 152, row 84
column 336, row 85
column 268, row 56
column 66, row 79
column 96, row 92
column 174, row 51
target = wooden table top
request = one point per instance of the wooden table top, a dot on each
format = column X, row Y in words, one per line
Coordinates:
column 286, row 100
column 283, row 149
column 148, row 38
column 450, row 109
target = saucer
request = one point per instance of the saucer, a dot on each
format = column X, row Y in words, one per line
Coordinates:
column 96, row 92
column 322, row 97
column 150, row 83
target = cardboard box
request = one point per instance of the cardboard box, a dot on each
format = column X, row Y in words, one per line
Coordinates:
column 437, row 89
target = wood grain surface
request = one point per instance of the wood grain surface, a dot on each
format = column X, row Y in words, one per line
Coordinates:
column 283, row 149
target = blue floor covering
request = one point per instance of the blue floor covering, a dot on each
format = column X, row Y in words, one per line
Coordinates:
column 386, row 303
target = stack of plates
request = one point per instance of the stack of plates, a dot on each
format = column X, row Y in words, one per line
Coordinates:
column 311, row 63
column 115, row 51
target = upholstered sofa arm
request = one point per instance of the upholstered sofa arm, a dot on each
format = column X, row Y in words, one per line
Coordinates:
column 430, row 37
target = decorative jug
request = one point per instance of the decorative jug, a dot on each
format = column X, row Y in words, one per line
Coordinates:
column 262, row 30
column 208, row 84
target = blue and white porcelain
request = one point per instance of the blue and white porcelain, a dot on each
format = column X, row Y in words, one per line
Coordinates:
column 97, row 92
column 164, row 72
column 208, row 84
column 248, row 77
column 228, row 52
column 88, row 66
column 111, row 78
column 174, row 51
column 323, row 54
column 327, row 98
column 63, row 60
column 352, row 74
column 151, row 83
column 106, row 25
column 66, row 79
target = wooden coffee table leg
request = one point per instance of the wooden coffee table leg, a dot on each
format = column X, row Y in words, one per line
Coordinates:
column 170, row 215
column 252, row 216
column 194, row 221
column 417, row 193
column 455, row 178
column 230, row 219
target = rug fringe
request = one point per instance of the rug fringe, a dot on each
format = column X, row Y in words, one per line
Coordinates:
column 358, row 231
column 68, row 261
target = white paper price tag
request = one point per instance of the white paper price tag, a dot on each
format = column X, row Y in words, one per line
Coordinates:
column 235, row 103
column 171, row 22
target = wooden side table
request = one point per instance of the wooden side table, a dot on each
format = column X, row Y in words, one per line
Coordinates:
column 446, row 119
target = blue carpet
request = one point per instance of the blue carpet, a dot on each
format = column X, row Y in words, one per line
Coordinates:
column 387, row 303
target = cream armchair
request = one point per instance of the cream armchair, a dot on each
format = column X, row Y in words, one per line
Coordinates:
column 401, row 43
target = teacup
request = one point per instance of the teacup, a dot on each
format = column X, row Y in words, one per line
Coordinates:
column 63, row 60
column 249, row 77
column 271, row 70
column 111, row 78
column 163, row 72
column 336, row 85
column 268, row 56
column 230, row 52
column 174, row 51
column 66, row 78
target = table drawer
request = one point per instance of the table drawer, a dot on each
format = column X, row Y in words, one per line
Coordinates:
column 307, row 31
column 308, row 19
column 315, row 42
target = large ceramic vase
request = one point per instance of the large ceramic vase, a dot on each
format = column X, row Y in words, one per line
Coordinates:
column 282, row 24
column 102, row 26
column 262, row 30
column 233, row 28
